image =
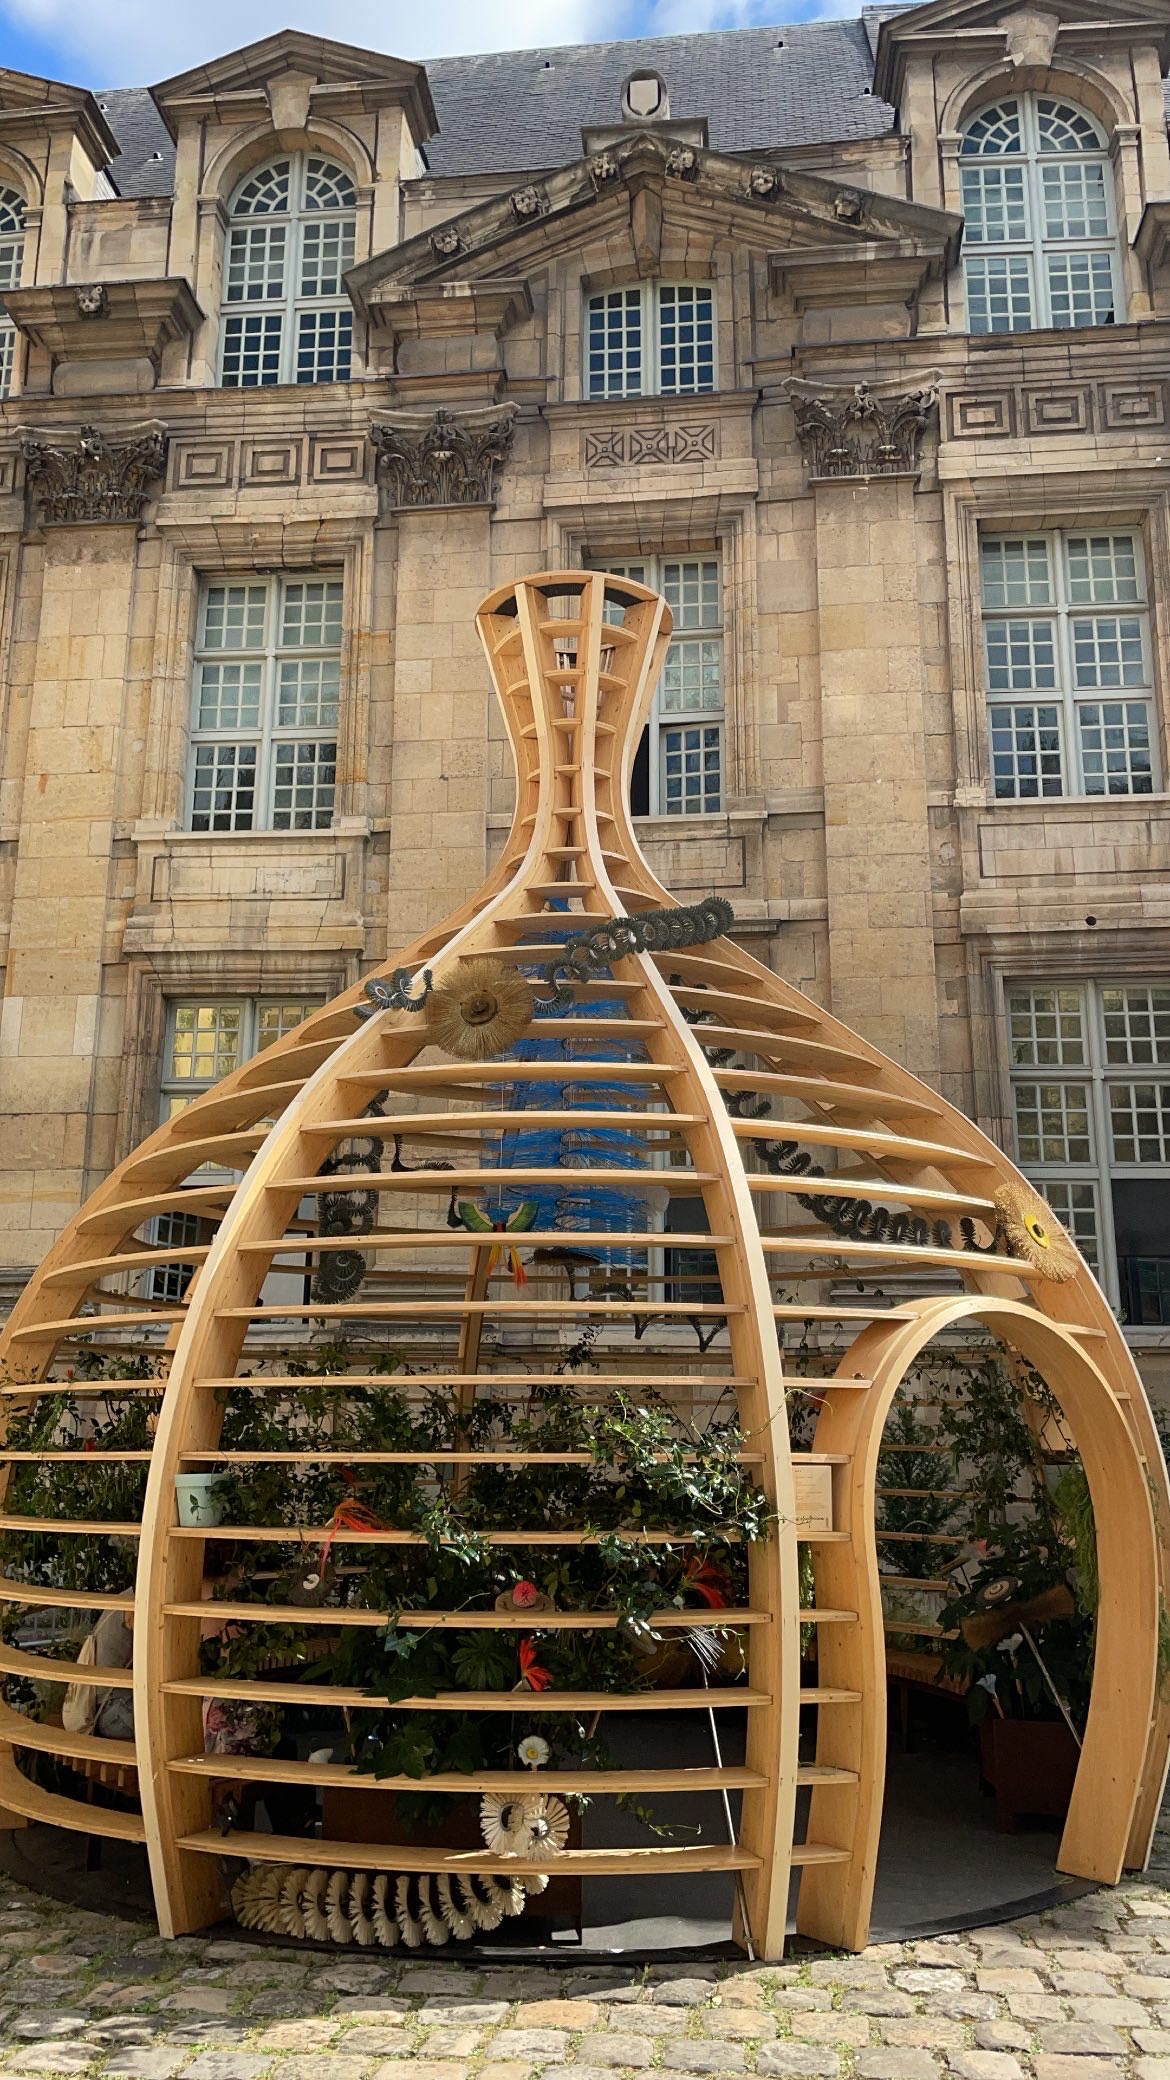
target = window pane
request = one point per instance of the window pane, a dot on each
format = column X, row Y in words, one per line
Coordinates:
column 1139, row 1121
column 11, row 237
column 686, row 339
column 692, row 677
column 205, row 1042
column 1136, row 1019
column 229, row 696
column 1046, row 1027
column 1026, row 756
column 1061, row 128
column 1101, row 567
column 224, row 793
column 692, row 592
column 1021, row 656
column 170, row 1281
column 1052, row 1123
column 1108, row 650
column 255, row 263
column 994, row 205
column 691, row 765
column 324, row 340
column 1015, row 571
column 267, row 193
column 327, row 186
column 311, row 614
column 233, row 617
column 251, row 350
column 274, row 1020
column 7, row 353
column 1115, row 747
column 999, row 292
column 1080, row 288
column 614, row 349
column 308, row 692
column 1074, row 200
column 303, row 787
column 993, row 131
column 326, row 253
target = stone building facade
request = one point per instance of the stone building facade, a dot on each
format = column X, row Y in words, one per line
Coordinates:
column 853, row 336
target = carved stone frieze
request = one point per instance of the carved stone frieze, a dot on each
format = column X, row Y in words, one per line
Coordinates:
column 446, row 242
column 85, row 477
column 528, row 203
column 93, row 300
column 603, row 168
column 615, row 447
column 764, row 183
column 682, row 164
column 442, row 458
column 859, row 433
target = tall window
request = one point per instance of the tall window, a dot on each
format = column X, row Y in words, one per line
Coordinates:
column 678, row 770
column 286, row 316
column 1090, row 1071
column 1066, row 641
column 11, row 260
column 267, row 684
column 1040, row 244
column 207, row 1040
column 652, row 339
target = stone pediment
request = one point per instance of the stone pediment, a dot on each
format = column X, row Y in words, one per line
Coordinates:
column 30, row 106
column 1026, row 32
column 335, row 72
column 96, row 333
column 760, row 203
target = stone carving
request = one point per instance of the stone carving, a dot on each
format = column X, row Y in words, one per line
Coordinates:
column 682, row 164
column 444, row 458
column 93, row 300
column 91, row 478
column 446, row 243
column 602, row 168
column 528, row 203
column 861, row 434
column 764, row 182
column 848, row 206
column 615, row 446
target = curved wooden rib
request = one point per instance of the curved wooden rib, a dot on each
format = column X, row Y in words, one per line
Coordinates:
column 575, row 657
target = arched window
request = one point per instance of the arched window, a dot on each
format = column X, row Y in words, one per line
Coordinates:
column 286, row 317
column 11, row 260
column 1039, row 246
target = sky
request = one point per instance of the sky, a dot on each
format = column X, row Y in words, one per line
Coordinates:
column 125, row 43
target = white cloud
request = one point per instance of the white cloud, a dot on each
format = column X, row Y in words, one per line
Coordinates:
column 133, row 42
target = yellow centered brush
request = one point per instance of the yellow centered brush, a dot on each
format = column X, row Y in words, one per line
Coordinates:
column 478, row 1011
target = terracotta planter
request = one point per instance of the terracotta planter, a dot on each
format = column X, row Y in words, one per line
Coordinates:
column 1030, row 1765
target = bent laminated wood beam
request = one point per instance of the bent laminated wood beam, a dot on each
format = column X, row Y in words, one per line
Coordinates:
column 659, row 1054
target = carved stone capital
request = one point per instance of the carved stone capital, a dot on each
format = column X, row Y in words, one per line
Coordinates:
column 442, row 458
column 85, row 477
column 858, row 433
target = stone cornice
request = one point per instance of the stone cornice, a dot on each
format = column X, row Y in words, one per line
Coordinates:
column 878, row 271
column 983, row 30
column 104, row 321
column 50, row 106
column 444, row 310
column 339, row 75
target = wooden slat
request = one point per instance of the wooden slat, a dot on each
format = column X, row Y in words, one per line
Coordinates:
column 42, row 1668
column 19, row 1795
column 458, row 1310
column 556, row 1701
column 637, row 1176
column 412, row 1856
column 461, row 1621
column 69, row 1527
column 267, row 1769
column 53, row 1740
column 39, row 1595
column 314, row 1535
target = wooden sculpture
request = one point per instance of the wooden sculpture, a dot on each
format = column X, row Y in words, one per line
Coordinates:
column 731, row 1089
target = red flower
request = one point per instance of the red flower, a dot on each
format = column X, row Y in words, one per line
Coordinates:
column 708, row 1581
column 532, row 1675
column 524, row 1595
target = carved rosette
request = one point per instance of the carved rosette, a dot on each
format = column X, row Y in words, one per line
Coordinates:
column 89, row 478
column 859, row 434
column 442, row 458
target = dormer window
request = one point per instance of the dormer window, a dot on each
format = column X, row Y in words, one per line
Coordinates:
column 286, row 316
column 651, row 339
column 11, row 261
column 1040, row 245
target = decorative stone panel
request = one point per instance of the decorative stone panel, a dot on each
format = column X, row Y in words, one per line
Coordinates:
column 337, row 458
column 613, row 447
column 1058, row 411
column 1128, row 405
column 202, row 465
column 266, row 462
column 981, row 415
column 84, row 477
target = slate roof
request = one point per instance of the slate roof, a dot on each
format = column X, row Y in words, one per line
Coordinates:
column 513, row 111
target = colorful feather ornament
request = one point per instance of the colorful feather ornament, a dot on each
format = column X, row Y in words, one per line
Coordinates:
column 479, row 1224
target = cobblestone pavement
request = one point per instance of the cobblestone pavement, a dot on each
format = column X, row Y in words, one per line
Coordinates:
column 1080, row 1993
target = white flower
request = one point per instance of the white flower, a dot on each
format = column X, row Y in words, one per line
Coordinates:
column 987, row 1683
column 533, row 1751
column 1012, row 1645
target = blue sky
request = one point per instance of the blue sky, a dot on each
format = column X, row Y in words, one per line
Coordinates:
column 102, row 43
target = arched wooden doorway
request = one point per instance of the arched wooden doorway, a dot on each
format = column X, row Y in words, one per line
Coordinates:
column 1099, row 1835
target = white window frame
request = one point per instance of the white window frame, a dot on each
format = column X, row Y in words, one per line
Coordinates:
column 1033, row 245
column 690, row 639
column 268, row 738
column 1075, row 751
column 269, row 290
column 12, row 235
column 168, row 1282
column 1093, row 1027
column 651, row 301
